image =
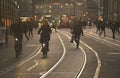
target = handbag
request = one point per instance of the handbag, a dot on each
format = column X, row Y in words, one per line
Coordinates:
column 72, row 38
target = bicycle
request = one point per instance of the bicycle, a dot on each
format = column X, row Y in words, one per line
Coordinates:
column 45, row 48
column 17, row 46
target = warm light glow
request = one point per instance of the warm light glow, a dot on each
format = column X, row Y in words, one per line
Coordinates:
column 87, row 13
column 61, row 6
column 71, row 4
column 37, row 7
column 50, row 6
column 35, row 17
column 24, row 19
column 66, row 4
column 100, row 18
column 84, row 15
column 80, row 3
column 56, row 3
column 50, row 11
column 47, row 15
column 41, row 6
column 72, row 17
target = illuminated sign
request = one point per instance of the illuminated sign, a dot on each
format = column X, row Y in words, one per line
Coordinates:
column 47, row 15
column 56, row 3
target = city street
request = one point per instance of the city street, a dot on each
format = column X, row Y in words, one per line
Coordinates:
column 96, row 57
column 36, row 39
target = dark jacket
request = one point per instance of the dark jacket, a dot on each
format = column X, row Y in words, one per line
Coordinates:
column 44, row 32
column 17, row 28
column 77, row 29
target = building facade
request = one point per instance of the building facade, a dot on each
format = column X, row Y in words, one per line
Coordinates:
column 91, row 9
column 9, row 11
column 58, row 7
column 26, row 8
column 111, row 10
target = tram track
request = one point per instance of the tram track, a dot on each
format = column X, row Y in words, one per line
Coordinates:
column 99, row 64
column 31, row 57
column 80, row 69
column 59, row 61
column 16, row 65
column 84, row 58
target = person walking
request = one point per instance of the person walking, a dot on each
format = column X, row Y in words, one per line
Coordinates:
column 77, row 31
column 113, row 27
column 25, row 30
column 102, row 28
column 30, row 29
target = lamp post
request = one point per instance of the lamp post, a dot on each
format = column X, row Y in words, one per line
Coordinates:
column 33, row 10
column 1, row 11
column 74, row 7
column 0, row 15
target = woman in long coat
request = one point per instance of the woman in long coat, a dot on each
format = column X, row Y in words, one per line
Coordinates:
column 45, row 32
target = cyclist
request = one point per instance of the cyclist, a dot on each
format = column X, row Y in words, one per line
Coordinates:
column 17, row 31
column 45, row 32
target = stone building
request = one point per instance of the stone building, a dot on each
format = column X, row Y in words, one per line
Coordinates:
column 111, row 10
column 9, row 11
column 26, row 8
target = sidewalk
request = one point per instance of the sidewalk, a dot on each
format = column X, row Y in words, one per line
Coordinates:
column 7, row 51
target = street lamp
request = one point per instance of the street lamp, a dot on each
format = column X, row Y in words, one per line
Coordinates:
column 0, row 15
column 33, row 9
column 74, row 6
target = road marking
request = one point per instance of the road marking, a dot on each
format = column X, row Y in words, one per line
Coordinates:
column 64, row 53
column 42, row 73
column 98, row 60
column 32, row 67
column 38, row 49
column 84, row 58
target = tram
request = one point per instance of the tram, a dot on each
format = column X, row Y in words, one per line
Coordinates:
column 64, row 21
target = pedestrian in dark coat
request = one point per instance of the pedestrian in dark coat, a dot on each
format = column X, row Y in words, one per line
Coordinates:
column 77, row 31
column 113, row 28
column 45, row 32
column 25, row 30
column 30, row 29
column 102, row 28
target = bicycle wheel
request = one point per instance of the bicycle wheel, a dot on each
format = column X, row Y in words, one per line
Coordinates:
column 17, row 51
column 44, row 50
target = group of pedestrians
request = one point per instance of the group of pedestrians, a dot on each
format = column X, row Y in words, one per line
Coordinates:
column 26, row 28
column 19, row 28
column 114, row 26
column 101, row 25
